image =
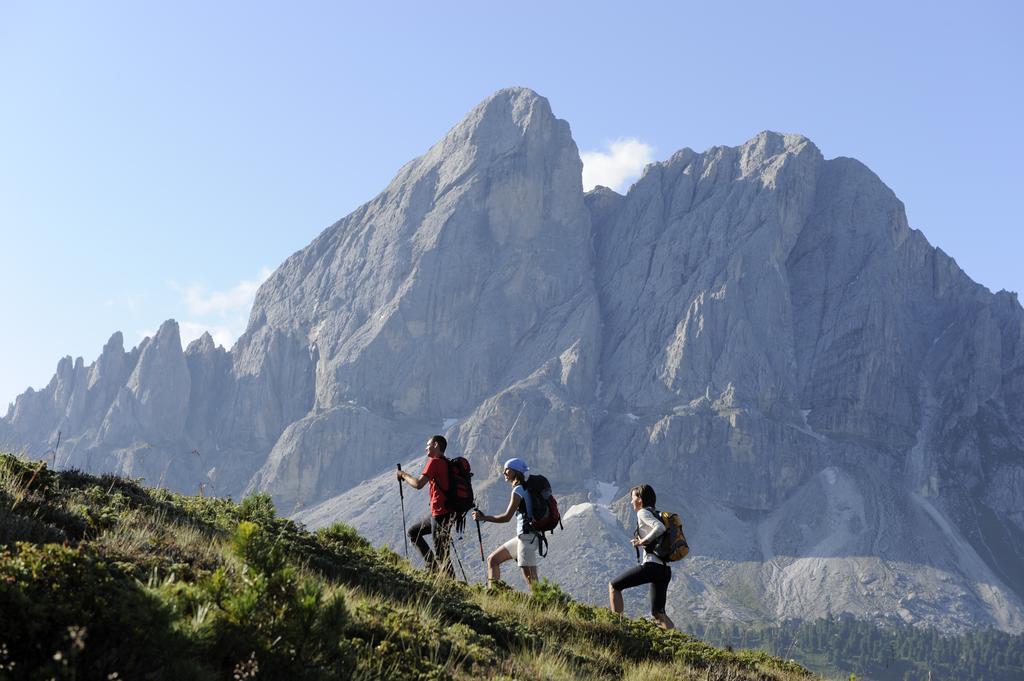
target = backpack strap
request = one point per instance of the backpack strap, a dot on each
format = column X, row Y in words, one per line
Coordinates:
column 652, row 546
column 525, row 504
column 447, row 492
column 659, row 545
column 542, row 549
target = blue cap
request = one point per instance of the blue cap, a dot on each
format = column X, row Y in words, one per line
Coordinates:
column 518, row 465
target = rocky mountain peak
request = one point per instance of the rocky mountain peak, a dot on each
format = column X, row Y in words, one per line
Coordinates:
column 766, row 145
column 824, row 396
column 115, row 344
column 159, row 384
column 499, row 124
column 202, row 345
column 500, row 193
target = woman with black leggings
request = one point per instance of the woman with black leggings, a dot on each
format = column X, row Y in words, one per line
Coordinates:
column 653, row 570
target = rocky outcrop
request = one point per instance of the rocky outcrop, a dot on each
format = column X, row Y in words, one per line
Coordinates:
column 833, row 406
column 209, row 369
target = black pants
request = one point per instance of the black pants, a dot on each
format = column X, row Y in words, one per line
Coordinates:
column 440, row 526
column 656, row 575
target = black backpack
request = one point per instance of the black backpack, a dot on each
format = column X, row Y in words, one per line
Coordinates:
column 458, row 498
column 546, row 516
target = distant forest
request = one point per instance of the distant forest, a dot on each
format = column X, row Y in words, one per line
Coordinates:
column 844, row 645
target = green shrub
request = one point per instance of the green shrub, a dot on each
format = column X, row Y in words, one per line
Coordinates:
column 73, row 614
column 546, row 594
column 758, row 659
column 25, row 526
column 258, row 508
column 411, row 642
column 264, row 614
column 583, row 612
column 28, row 508
column 342, row 535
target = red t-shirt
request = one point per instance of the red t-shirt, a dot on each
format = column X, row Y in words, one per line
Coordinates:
column 437, row 470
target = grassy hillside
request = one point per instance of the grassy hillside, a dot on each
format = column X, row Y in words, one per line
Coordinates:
column 101, row 578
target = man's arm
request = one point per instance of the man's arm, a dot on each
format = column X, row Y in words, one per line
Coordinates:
column 415, row 483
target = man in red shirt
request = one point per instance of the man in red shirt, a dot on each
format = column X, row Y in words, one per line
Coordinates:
column 440, row 519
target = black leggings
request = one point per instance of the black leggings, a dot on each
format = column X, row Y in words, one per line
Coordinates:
column 655, row 574
column 440, row 527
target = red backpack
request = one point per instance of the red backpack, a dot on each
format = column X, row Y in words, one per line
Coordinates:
column 458, row 498
column 545, row 507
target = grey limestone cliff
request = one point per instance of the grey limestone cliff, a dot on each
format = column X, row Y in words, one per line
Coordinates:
column 833, row 406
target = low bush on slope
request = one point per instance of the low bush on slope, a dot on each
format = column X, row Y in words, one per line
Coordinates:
column 101, row 578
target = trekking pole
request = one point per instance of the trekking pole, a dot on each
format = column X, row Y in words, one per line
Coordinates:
column 479, row 537
column 451, row 543
column 401, row 495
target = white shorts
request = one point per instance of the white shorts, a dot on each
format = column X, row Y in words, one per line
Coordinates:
column 524, row 549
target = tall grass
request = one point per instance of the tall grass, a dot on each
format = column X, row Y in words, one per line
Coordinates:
column 206, row 588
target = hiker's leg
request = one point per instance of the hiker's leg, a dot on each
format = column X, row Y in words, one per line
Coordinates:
column 416, row 534
column 634, row 576
column 442, row 529
column 494, row 562
column 529, row 574
column 614, row 599
column 659, row 593
column 500, row 555
column 526, row 556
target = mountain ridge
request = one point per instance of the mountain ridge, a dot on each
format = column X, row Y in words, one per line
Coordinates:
column 824, row 395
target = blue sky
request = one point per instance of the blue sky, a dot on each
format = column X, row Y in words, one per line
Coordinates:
column 157, row 160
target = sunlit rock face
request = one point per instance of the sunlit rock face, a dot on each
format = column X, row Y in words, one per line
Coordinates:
column 832, row 405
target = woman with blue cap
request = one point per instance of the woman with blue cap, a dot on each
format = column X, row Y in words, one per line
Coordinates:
column 524, row 546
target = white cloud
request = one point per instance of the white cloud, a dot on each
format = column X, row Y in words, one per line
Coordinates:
column 236, row 299
column 617, row 167
column 222, row 335
column 223, row 313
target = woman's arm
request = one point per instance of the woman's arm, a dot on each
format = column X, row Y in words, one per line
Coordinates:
column 649, row 520
column 513, row 505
